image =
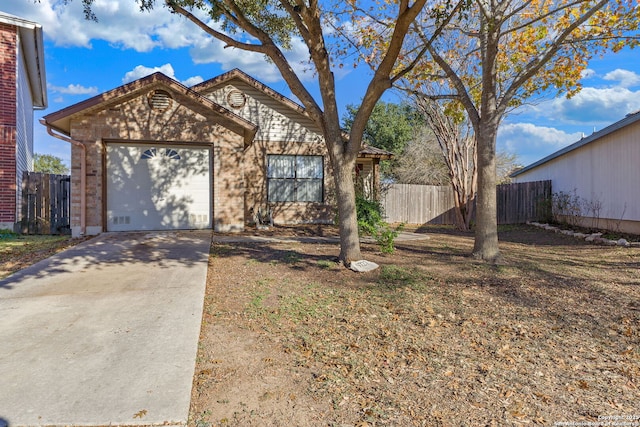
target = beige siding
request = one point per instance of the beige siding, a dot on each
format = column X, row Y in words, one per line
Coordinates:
column 606, row 170
column 364, row 178
column 275, row 121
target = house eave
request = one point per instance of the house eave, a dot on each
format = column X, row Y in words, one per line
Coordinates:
column 32, row 42
column 61, row 120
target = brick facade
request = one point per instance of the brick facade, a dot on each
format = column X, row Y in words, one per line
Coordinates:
column 136, row 122
column 8, row 85
column 239, row 184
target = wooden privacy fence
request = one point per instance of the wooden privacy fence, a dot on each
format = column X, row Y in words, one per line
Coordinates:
column 46, row 203
column 430, row 204
column 419, row 204
column 524, row 201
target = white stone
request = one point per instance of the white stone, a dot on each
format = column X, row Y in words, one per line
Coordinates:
column 623, row 242
column 363, row 266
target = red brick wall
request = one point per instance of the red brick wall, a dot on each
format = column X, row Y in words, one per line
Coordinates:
column 8, row 51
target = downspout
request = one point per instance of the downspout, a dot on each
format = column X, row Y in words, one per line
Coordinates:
column 83, row 174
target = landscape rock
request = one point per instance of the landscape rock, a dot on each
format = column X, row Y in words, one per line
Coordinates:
column 623, row 242
column 593, row 237
column 362, row 266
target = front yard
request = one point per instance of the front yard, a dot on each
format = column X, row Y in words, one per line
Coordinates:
column 432, row 338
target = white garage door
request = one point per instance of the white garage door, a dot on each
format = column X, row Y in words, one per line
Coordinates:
column 158, row 187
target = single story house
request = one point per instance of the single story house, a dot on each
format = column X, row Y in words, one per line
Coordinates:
column 601, row 172
column 23, row 88
column 155, row 155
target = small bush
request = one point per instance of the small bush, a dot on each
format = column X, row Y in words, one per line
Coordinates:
column 386, row 236
column 370, row 223
column 568, row 206
column 7, row 234
column 369, row 214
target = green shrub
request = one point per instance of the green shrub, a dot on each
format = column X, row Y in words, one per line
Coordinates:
column 385, row 237
column 369, row 214
column 7, row 234
column 370, row 223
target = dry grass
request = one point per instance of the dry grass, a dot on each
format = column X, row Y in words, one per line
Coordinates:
column 20, row 251
column 432, row 338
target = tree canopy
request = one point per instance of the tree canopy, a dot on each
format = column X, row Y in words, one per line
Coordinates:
column 48, row 163
column 390, row 126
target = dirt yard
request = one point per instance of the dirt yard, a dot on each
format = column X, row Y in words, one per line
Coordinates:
column 432, row 338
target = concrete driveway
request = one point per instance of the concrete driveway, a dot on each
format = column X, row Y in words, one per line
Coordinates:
column 105, row 332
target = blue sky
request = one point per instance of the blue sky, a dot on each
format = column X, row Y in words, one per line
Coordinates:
column 85, row 58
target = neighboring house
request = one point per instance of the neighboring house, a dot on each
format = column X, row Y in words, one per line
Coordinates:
column 156, row 155
column 22, row 89
column 601, row 171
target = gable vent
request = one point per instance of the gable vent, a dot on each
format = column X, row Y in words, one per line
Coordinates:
column 160, row 100
column 236, row 99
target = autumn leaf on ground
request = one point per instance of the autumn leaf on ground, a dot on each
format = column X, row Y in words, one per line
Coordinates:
column 140, row 414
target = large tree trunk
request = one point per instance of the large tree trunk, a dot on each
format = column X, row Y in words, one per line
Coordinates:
column 486, row 235
column 348, row 222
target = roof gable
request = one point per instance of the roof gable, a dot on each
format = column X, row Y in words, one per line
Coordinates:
column 628, row 120
column 32, row 46
column 61, row 120
column 278, row 118
column 227, row 77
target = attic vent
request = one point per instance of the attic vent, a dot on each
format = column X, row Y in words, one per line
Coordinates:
column 159, row 100
column 236, row 99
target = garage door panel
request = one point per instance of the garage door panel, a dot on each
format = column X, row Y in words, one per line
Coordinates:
column 158, row 188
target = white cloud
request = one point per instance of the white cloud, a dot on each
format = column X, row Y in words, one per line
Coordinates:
column 587, row 73
column 625, row 78
column 192, row 81
column 72, row 89
column 141, row 71
column 210, row 50
column 532, row 142
column 595, row 106
column 120, row 22
column 123, row 25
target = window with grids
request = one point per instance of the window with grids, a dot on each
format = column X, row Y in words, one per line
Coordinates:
column 295, row 178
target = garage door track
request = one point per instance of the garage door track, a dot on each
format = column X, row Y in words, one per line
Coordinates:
column 105, row 332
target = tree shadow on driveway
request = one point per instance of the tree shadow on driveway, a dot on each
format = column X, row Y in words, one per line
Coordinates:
column 158, row 249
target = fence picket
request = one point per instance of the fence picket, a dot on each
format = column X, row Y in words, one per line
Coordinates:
column 428, row 204
column 45, row 203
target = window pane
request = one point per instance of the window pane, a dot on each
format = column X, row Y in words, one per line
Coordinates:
column 281, row 167
column 309, row 166
column 281, row 190
column 309, row 190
